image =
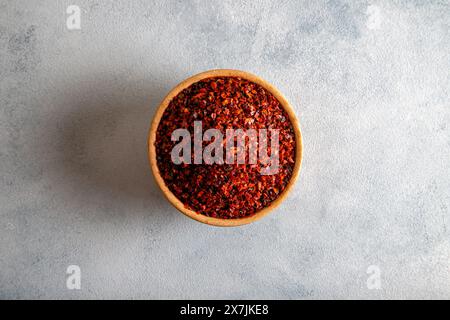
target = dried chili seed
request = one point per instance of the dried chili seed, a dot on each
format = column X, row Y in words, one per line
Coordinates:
column 225, row 191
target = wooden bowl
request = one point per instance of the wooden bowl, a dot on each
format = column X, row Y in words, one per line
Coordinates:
column 152, row 150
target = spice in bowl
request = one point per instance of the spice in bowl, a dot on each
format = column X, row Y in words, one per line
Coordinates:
column 225, row 147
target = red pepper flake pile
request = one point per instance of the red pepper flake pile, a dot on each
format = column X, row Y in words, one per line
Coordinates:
column 225, row 191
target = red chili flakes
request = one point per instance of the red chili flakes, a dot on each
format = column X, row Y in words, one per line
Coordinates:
column 225, row 190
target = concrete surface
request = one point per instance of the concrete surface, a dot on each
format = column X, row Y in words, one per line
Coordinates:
column 369, row 217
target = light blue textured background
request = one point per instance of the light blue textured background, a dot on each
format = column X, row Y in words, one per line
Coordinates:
column 370, row 85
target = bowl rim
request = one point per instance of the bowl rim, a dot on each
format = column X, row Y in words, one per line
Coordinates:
column 152, row 149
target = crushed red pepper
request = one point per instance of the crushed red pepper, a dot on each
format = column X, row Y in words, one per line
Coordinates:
column 225, row 191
